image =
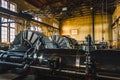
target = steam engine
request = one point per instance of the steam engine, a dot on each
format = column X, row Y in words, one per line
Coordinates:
column 59, row 56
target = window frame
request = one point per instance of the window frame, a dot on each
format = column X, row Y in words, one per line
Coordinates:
column 8, row 5
column 4, row 5
column 4, row 26
column 14, row 5
column 9, row 27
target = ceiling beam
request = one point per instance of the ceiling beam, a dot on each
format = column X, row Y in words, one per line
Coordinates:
column 22, row 15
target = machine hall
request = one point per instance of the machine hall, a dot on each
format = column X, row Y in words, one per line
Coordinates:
column 59, row 39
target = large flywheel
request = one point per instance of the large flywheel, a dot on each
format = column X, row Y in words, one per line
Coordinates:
column 27, row 39
column 60, row 42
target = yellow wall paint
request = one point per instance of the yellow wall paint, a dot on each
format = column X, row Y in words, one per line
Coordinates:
column 116, row 27
column 84, row 26
column 116, row 13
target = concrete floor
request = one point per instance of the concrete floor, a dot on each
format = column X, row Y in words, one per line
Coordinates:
column 10, row 76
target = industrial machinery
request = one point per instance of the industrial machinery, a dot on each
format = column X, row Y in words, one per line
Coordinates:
column 58, row 57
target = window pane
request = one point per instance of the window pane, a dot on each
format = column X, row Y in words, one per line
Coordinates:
column 4, row 21
column 37, row 18
column 3, row 34
column 12, row 34
column 35, row 28
column 12, row 7
column 4, row 4
column 7, row 25
column 39, row 29
column 12, row 23
column 55, row 25
column 32, row 28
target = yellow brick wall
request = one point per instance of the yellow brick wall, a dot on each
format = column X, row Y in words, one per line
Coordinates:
column 84, row 26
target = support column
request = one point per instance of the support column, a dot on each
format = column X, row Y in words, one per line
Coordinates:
column 93, row 25
column 0, row 30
